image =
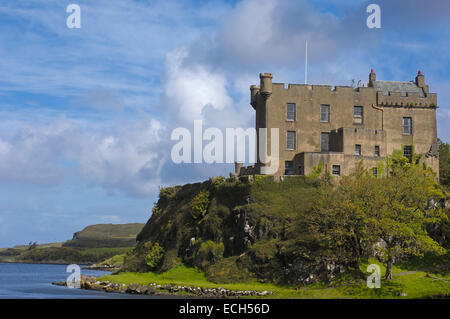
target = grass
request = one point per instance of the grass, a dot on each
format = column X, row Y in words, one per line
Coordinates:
column 415, row 285
column 105, row 250
column 106, row 235
column 115, row 260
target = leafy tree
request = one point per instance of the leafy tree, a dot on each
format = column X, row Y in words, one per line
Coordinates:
column 402, row 205
column 340, row 217
column 154, row 256
column 391, row 210
column 444, row 162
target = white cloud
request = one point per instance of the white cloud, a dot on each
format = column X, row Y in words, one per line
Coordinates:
column 190, row 88
column 128, row 159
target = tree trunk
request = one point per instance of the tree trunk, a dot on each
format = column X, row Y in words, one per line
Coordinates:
column 388, row 275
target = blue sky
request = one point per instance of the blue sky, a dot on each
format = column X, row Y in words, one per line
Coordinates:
column 86, row 114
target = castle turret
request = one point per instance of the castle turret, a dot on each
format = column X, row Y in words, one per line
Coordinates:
column 266, row 84
column 254, row 90
column 237, row 168
column 372, row 78
column 420, row 82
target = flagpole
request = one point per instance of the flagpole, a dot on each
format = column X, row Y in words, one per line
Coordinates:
column 306, row 62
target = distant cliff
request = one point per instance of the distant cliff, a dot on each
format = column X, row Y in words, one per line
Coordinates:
column 105, row 235
column 93, row 244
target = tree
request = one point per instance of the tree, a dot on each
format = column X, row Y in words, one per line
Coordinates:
column 401, row 207
column 444, row 163
column 388, row 213
column 340, row 216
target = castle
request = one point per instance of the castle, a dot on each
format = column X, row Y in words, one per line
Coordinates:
column 340, row 126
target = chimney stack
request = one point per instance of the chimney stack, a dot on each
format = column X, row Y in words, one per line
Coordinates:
column 420, row 82
column 372, row 78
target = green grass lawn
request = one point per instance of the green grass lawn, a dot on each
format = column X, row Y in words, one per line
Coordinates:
column 415, row 285
column 105, row 250
column 115, row 260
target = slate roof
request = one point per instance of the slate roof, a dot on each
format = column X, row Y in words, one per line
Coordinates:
column 402, row 87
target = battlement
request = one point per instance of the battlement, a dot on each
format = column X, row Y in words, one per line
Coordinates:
column 388, row 93
column 409, row 99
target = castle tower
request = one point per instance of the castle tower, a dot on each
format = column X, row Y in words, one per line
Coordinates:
column 254, row 90
column 266, row 84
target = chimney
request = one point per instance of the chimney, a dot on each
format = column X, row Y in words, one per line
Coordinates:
column 420, row 82
column 372, row 78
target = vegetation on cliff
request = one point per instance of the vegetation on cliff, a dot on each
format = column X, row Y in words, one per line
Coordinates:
column 299, row 231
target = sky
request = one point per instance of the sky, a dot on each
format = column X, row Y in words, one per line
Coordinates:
column 86, row 114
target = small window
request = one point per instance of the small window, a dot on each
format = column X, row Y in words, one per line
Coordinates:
column 407, row 152
column 336, row 170
column 289, row 168
column 325, row 142
column 357, row 114
column 290, row 112
column 290, row 145
column 374, row 172
column 377, row 150
column 407, row 126
column 357, row 149
column 324, row 113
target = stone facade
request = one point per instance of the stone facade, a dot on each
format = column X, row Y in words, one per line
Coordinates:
column 340, row 126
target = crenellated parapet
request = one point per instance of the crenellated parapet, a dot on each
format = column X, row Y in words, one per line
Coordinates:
column 408, row 99
column 403, row 94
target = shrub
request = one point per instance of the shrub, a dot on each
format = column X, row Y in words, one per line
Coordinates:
column 154, row 256
column 209, row 253
column 228, row 270
column 199, row 204
column 217, row 181
column 156, row 211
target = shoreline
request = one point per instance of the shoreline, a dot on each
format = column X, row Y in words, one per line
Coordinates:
column 91, row 283
column 43, row 263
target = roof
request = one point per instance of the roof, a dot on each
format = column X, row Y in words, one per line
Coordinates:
column 402, row 87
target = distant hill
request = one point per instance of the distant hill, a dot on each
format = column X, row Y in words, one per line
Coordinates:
column 105, row 235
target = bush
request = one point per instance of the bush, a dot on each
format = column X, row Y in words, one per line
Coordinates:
column 228, row 270
column 209, row 253
column 154, row 256
column 199, row 204
column 156, row 211
column 217, row 181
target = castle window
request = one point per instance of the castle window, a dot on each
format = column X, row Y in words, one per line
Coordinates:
column 325, row 142
column 324, row 113
column 377, row 150
column 407, row 152
column 290, row 112
column 358, row 149
column 357, row 114
column 407, row 126
column 290, row 140
column 374, row 172
column 336, row 170
column 289, row 168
